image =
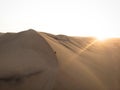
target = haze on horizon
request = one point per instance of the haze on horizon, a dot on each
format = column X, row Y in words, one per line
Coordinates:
column 73, row 17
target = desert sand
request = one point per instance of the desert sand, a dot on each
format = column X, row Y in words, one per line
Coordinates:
column 31, row 60
column 27, row 62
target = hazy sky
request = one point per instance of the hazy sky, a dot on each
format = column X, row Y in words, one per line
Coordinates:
column 71, row 17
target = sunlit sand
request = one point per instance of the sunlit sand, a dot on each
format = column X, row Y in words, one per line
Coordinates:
column 33, row 60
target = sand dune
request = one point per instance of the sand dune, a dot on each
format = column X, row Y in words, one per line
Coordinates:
column 27, row 62
column 86, row 64
column 40, row 61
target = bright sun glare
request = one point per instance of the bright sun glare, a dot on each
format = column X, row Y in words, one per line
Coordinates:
column 102, row 38
column 105, row 37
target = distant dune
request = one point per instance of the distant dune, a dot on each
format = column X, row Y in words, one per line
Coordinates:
column 32, row 60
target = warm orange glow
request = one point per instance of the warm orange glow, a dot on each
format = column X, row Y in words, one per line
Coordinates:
column 105, row 37
column 102, row 38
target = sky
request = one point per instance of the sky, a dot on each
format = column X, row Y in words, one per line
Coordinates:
column 70, row 17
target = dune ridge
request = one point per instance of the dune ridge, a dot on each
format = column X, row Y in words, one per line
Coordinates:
column 86, row 63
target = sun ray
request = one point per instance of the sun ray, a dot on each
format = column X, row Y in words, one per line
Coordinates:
column 85, row 48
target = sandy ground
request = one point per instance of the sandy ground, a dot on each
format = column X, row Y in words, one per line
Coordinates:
column 85, row 63
column 40, row 61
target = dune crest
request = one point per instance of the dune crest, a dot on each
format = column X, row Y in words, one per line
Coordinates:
column 85, row 63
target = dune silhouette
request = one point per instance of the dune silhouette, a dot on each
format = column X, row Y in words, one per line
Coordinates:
column 32, row 60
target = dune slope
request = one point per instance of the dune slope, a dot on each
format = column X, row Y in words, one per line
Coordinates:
column 85, row 63
column 27, row 62
column 30, row 60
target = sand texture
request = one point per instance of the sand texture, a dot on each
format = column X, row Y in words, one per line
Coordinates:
column 32, row 60
column 27, row 62
column 85, row 63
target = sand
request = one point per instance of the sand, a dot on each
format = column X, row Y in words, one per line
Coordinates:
column 33, row 60
column 85, row 63
column 27, row 62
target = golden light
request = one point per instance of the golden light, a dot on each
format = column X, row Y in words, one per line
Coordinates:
column 105, row 36
column 102, row 38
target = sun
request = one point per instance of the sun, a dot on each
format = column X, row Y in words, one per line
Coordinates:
column 102, row 37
